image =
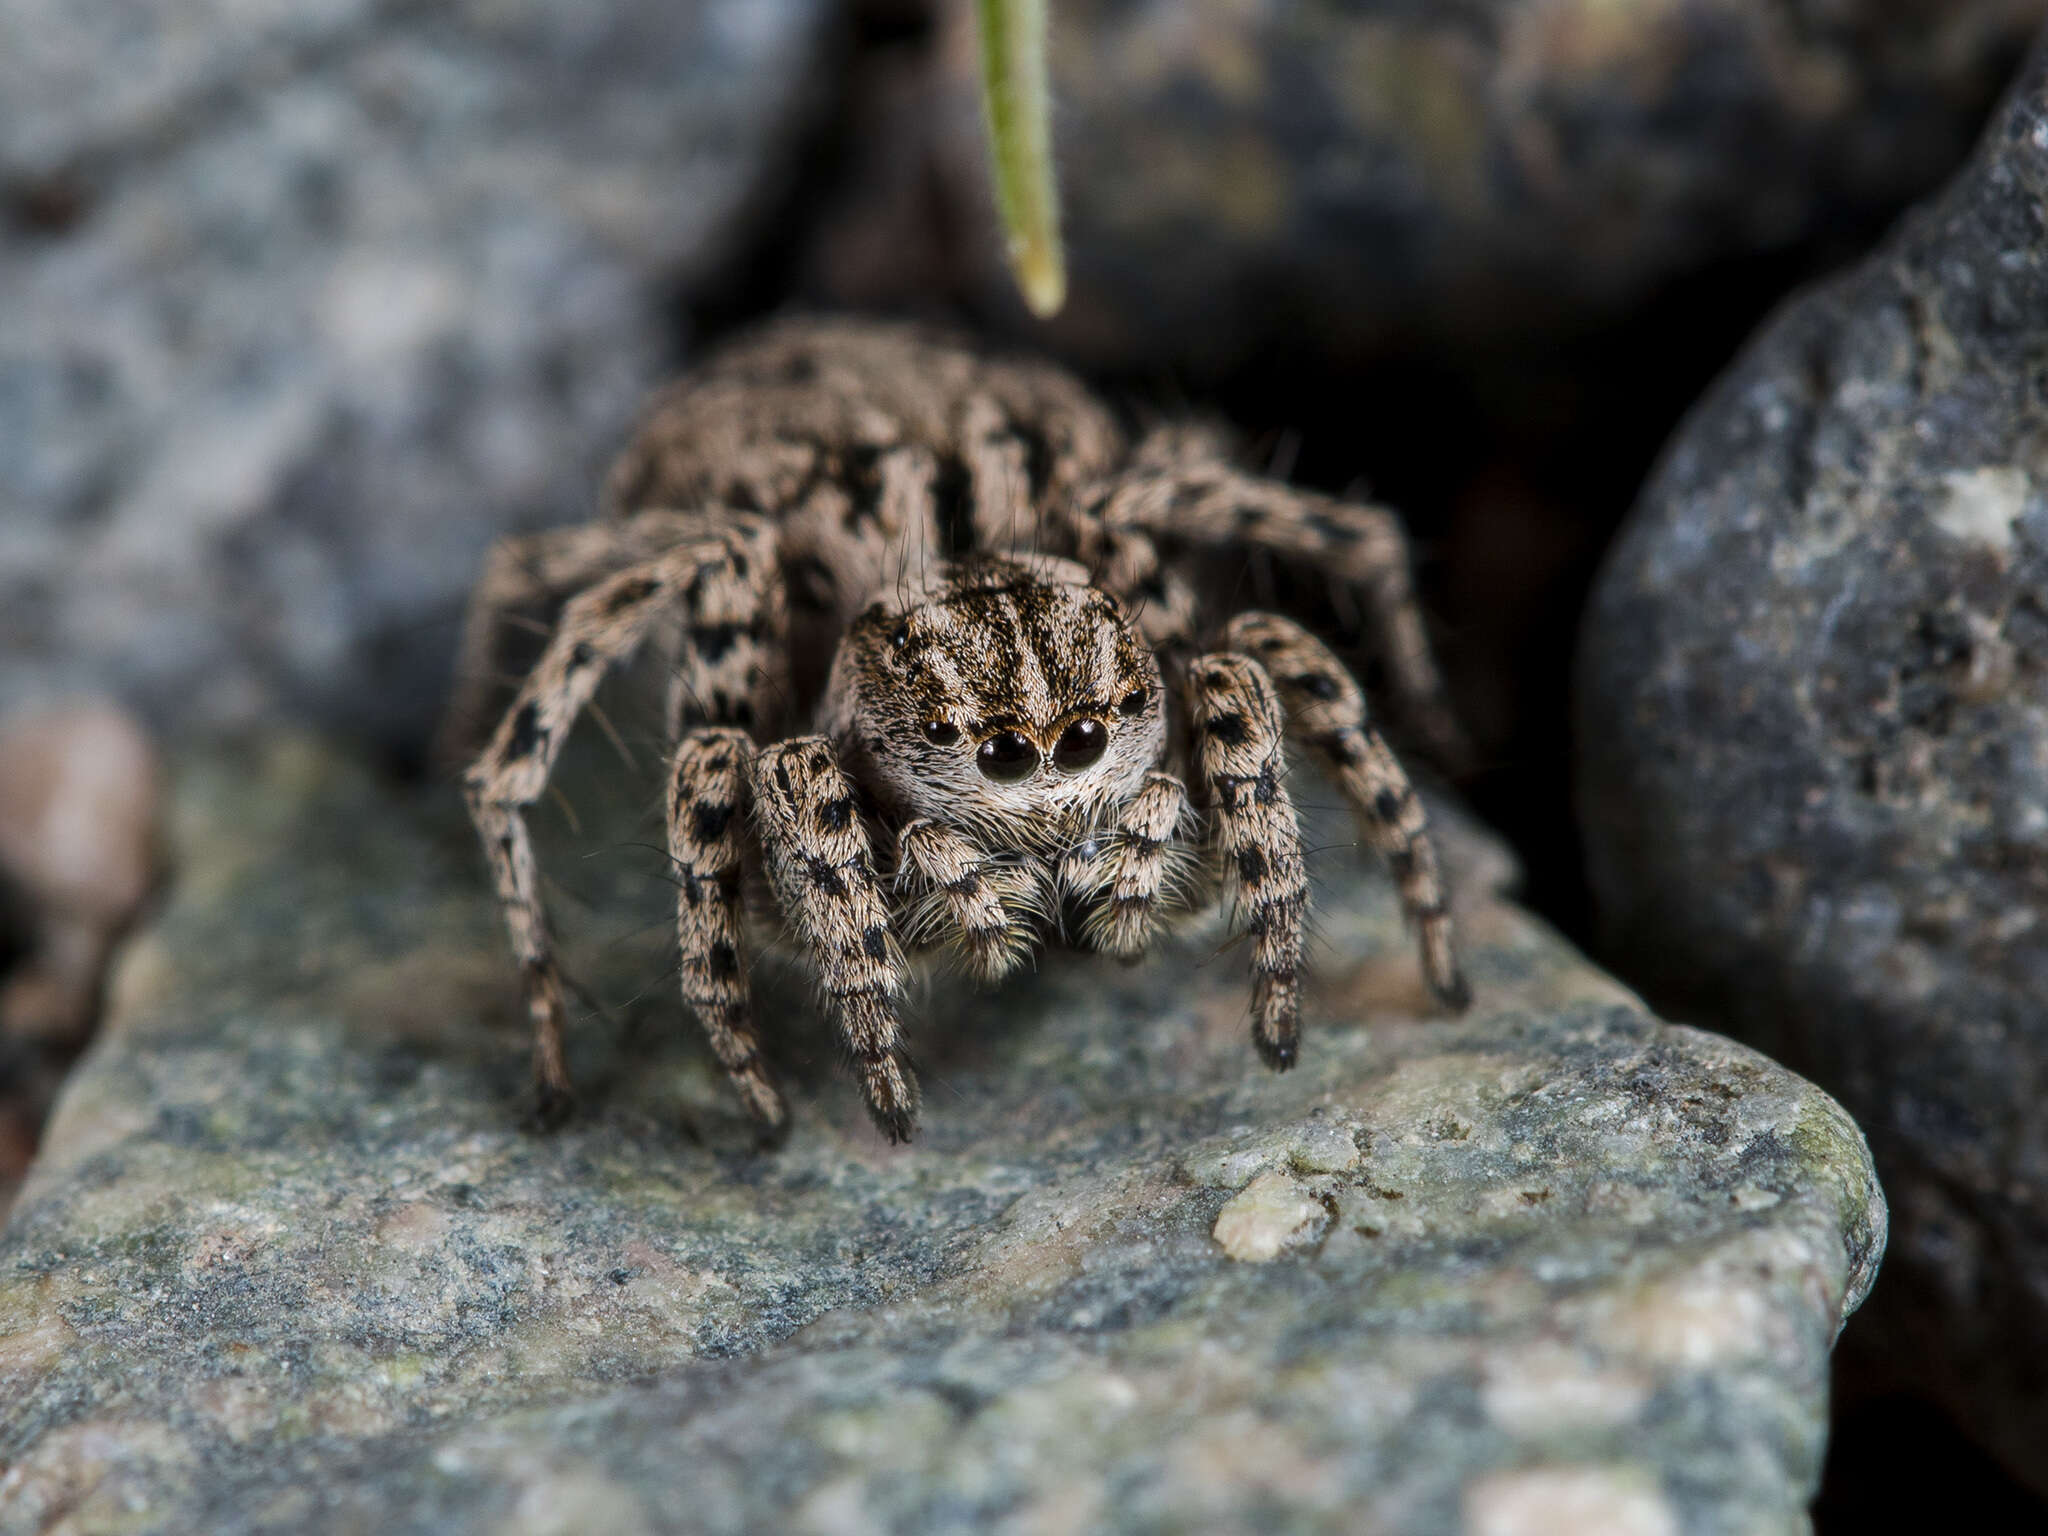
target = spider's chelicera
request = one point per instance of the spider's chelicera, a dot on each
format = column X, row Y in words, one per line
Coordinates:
column 978, row 606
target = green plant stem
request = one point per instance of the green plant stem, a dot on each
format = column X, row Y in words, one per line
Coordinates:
column 1018, row 115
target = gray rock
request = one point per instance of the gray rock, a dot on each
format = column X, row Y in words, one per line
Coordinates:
column 289, row 1262
column 307, row 302
column 1814, row 749
column 1330, row 178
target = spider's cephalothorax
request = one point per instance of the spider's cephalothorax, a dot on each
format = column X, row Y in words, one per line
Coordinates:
column 959, row 575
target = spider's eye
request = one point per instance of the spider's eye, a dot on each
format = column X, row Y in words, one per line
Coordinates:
column 1079, row 745
column 1008, row 757
column 1132, row 702
column 941, row 733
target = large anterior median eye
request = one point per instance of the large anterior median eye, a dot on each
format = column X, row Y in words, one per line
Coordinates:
column 1007, row 757
column 1079, row 745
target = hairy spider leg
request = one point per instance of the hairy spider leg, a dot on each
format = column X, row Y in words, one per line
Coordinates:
column 1326, row 712
column 1240, row 770
column 711, row 581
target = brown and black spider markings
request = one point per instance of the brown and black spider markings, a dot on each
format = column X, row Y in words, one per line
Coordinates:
column 1016, row 733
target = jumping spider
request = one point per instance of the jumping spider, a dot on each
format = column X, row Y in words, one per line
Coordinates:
column 983, row 602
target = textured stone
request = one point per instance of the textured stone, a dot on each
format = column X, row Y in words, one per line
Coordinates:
column 1331, row 176
column 1814, row 745
column 290, row 1262
column 306, row 302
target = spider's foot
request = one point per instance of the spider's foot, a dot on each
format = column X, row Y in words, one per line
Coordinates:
column 1454, row 995
column 766, row 1107
column 892, row 1099
column 1280, row 1055
column 553, row 1104
column 771, row 1135
column 899, row 1125
column 1276, row 1019
column 759, row 1094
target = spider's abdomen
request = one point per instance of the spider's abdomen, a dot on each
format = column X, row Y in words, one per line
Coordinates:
column 807, row 407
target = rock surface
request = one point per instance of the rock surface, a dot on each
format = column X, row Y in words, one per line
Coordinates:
column 290, row 1262
column 1814, row 745
column 1328, row 177
column 307, row 302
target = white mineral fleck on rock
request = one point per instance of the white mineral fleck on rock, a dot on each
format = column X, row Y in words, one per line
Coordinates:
column 1264, row 1217
column 1621, row 1501
column 1983, row 504
column 1541, row 1387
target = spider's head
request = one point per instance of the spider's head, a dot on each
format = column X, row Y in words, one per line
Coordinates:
column 1006, row 695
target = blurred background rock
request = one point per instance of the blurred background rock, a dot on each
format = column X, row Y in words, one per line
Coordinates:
column 304, row 303
column 300, row 305
column 1814, row 750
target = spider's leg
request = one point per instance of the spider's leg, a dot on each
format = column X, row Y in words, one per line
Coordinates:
column 1188, row 495
column 599, row 627
column 1126, row 561
column 1326, row 711
column 730, row 669
column 823, row 871
column 530, row 570
column 949, row 883
column 1125, row 886
column 1240, row 770
column 707, row 818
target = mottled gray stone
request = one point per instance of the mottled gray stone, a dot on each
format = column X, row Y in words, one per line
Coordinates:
column 1335, row 176
column 305, row 302
column 290, row 1262
column 1814, row 745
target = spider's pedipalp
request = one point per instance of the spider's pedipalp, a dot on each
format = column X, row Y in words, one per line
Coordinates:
column 1326, row 711
column 1241, row 769
column 600, row 627
column 954, row 886
column 1125, row 887
column 823, row 871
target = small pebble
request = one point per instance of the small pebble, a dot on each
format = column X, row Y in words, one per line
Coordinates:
column 80, row 803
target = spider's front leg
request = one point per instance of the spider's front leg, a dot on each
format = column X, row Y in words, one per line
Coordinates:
column 707, row 811
column 1241, row 768
column 823, row 871
column 1326, row 711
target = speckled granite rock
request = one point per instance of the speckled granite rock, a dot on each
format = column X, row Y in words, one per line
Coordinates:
column 304, row 302
column 1332, row 175
column 289, row 1262
column 1814, row 745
